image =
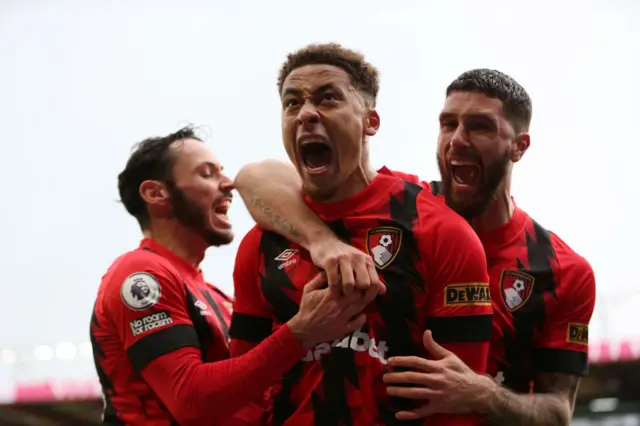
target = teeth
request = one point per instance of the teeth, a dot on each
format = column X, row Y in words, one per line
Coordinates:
column 307, row 142
column 461, row 163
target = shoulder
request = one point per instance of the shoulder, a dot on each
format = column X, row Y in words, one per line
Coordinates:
column 574, row 269
column 574, row 272
column 433, row 214
column 439, row 225
column 406, row 177
column 249, row 251
column 566, row 254
column 142, row 261
column 219, row 292
column 139, row 278
column 250, row 243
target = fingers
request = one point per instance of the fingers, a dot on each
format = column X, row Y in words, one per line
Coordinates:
column 419, row 413
column 433, row 347
column 412, row 363
column 348, row 278
column 332, row 270
column 411, row 393
column 363, row 279
column 317, row 283
column 357, row 322
column 375, row 278
column 411, row 378
column 369, row 295
column 408, row 377
column 358, row 301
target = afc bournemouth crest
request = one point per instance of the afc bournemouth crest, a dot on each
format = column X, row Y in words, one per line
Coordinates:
column 383, row 244
column 516, row 288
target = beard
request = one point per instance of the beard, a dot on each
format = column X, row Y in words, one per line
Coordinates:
column 191, row 215
column 472, row 206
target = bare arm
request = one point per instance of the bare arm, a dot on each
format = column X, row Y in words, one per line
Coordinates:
column 551, row 405
column 272, row 192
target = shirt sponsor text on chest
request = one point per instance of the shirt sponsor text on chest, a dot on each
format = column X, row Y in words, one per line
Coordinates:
column 357, row 341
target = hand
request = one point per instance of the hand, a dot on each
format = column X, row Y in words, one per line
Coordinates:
column 347, row 268
column 325, row 316
column 449, row 385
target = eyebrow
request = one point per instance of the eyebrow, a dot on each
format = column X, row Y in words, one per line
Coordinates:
column 215, row 167
column 446, row 115
column 481, row 116
column 296, row 92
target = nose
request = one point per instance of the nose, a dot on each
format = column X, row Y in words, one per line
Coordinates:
column 226, row 184
column 460, row 139
column 308, row 114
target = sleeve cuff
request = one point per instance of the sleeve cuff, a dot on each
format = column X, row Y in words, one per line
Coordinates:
column 548, row 360
column 292, row 349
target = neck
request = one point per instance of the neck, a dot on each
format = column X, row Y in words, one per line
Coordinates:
column 179, row 240
column 499, row 212
column 359, row 180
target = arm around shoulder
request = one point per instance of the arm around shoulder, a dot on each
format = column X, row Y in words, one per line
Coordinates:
column 272, row 192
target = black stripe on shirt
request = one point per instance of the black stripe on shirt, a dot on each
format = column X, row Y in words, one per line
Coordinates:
column 249, row 327
column 460, row 329
column 161, row 343
column 547, row 360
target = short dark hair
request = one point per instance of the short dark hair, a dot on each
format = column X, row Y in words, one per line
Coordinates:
column 151, row 159
column 364, row 76
column 495, row 84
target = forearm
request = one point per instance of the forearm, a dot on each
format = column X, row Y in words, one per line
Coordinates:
column 272, row 192
column 504, row 407
column 191, row 389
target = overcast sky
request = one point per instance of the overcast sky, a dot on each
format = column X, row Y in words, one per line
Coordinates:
column 82, row 81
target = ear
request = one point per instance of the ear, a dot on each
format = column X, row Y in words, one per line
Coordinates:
column 154, row 193
column 519, row 146
column 373, row 123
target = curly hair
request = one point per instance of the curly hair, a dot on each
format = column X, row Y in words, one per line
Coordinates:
column 364, row 76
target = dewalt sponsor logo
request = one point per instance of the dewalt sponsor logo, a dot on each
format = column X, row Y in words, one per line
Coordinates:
column 469, row 294
column 578, row 333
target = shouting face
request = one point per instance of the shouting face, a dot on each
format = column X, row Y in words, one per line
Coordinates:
column 200, row 194
column 325, row 122
column 476, row 147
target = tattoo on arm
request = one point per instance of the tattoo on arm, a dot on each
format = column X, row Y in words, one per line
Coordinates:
column 551, row 404
column 275, row 220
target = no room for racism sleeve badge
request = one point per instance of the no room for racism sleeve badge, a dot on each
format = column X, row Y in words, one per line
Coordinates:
column 516, row 288
column 383, row 244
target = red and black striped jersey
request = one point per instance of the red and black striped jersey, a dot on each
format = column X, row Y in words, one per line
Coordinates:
column 151, row 303
column 543, row 296
column 435, row 271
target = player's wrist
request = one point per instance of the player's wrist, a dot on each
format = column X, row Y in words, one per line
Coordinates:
column 484, row 390
column 319, row 238
column 300, row 333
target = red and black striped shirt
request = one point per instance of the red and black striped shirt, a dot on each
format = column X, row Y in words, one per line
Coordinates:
column 434, row 268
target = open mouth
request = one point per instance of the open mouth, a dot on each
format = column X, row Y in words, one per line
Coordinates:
column 316, row 155
column 221, row 210
column 465, row 173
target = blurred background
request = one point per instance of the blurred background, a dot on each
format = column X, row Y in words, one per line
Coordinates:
column 82, row 80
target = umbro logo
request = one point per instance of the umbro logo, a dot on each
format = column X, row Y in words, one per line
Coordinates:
column 287, row 258
column 286, row 255
column 204, row 309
